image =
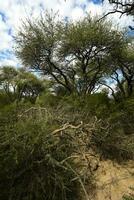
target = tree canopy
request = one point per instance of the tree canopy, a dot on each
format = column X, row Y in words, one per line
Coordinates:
column 72, row 54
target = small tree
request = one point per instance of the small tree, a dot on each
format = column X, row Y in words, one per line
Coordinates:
column 29, row 86
column 121, row 71
column 18, row 84
column 8, row 81
column 71, row 53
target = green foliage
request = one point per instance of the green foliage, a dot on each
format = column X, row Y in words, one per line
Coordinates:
column 4, row 100
column 129, row 196
column 111, row 142
column 48, row 100
column 33, row 159
column 123, row 113
column 114, row 137
column 34, row 162
column 72, row 54
column 19, row 84
column 97, row 104
column 29, row 86
column 8, row 81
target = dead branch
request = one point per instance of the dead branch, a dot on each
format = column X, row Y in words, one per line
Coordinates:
column 66, row 126
column 32, row 109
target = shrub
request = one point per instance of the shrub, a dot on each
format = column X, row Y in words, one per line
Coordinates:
column 33, row 161
column 111, row 141
column 48, row 100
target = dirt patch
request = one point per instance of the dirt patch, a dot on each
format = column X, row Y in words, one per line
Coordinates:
column 113, row 180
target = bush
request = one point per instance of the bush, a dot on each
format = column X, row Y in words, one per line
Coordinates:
column 114, row 135
column 48, row 100
column 4, row 99
column 86, row 106
column 111, row 141
column 123, row 114
column 33, row 161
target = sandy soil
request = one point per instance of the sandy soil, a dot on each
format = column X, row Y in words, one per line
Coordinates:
column 113, row 180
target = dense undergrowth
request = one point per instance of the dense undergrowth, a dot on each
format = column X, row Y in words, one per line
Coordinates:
column 42, row 144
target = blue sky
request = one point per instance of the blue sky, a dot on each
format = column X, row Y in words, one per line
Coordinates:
column 12, row 12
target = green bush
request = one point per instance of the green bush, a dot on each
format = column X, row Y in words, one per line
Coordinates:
column 110, row 140
column 36, row 163
column 48, row 100
column 32, row 157
column 114, row 136
column 31, row 161
column 4, row 99
column 86, row 106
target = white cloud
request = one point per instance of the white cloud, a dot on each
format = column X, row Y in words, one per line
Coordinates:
column 94, row 9
column 5, row 38
column 77, row 13
column 116, row 18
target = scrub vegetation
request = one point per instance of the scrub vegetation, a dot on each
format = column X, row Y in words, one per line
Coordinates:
column 73, row 99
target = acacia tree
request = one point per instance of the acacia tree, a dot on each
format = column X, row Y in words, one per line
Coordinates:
column 19, row 84
column 29, row 86
column 8, row 81
column 70, row 53
column 125, row 64
column 36, row 44
column 120, row 69
column 89, row 43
